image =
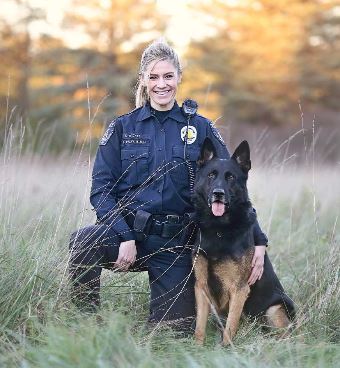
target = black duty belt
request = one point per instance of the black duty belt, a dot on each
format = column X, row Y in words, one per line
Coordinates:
column 166, row 226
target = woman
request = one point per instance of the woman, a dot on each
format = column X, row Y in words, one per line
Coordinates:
column 142, row 178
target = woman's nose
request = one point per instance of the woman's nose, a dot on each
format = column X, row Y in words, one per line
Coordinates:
column 161, row 82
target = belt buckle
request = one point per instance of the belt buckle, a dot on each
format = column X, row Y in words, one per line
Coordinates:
column 172, row 219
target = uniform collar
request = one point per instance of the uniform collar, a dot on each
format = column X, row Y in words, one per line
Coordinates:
column 175, row 113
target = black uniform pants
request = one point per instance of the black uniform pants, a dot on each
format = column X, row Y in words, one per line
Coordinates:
column 168, row 264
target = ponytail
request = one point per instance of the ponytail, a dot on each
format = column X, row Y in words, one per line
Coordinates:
column 141, row 96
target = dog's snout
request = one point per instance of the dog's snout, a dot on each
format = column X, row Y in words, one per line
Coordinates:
column 218, row 191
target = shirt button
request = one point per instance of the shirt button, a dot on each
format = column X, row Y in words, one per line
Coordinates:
column 159, row 149
column 158, row 190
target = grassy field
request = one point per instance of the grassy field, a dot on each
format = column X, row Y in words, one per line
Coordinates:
column 42, row 199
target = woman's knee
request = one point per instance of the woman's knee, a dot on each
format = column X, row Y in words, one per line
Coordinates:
column 94, row 240
column 78, row 238
column 84, row 243
column 92, row 236
column 73, row 239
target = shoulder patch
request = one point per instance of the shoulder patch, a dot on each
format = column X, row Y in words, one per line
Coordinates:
column 109, row 131
column 215, row 132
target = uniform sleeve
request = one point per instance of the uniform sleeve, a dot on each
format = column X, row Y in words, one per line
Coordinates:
column 260, row 238
column 105, row 176
column 222, row 152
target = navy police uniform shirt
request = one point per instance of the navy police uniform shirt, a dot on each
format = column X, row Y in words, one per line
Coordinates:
column 141, row 165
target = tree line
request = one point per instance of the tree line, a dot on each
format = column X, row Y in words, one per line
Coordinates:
column 263, row 62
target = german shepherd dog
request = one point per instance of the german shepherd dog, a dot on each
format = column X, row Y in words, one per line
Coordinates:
column 224, row 247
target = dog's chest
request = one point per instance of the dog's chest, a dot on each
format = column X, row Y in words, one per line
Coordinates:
column 227, row 276
column 218, row 244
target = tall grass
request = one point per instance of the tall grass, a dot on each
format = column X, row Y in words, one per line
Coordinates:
column 43, row 199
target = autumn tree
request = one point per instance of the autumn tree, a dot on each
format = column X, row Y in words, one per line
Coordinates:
column 117, row 31
column 319, row 58
column 82, row 86
column 251, row 69
column 15, row 54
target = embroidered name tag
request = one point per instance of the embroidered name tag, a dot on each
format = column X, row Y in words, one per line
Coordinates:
column 133, row 138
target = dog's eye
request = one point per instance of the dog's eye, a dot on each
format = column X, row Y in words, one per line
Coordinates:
column 229, row 176
column 212, row 175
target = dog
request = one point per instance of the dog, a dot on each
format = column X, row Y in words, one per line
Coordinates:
column 224, row 247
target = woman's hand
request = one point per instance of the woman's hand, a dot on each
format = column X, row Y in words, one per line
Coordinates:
column 257, row 264
column 127, row 255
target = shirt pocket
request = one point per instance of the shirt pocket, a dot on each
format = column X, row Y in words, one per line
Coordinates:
column 179, row 171
column 135, row 165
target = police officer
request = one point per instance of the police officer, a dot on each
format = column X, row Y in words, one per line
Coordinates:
column 142, row 178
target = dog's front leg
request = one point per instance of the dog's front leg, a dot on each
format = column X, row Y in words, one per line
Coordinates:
column 202, row 297
column 203, row 309
column 236, row 303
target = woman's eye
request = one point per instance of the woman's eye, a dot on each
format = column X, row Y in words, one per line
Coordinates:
column 152, row 77
column 169, row 76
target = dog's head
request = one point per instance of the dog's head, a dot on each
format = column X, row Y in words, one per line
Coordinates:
column 221, row 184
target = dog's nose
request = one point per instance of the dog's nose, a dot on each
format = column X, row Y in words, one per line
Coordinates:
column 218, row 191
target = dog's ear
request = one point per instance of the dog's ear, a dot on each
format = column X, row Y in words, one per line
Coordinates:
column 208, row 152
column 242, row 156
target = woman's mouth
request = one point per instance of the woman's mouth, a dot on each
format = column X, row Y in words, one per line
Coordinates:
column 162, row 93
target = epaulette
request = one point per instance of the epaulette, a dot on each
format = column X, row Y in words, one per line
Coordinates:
column 130, row 112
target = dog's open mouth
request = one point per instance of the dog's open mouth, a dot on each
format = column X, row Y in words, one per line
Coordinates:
column 218, row 202
column 218, row 208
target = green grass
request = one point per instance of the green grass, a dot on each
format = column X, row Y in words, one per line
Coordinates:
column 43, row 199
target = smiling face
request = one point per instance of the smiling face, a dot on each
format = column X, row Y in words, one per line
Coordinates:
column 161, row 80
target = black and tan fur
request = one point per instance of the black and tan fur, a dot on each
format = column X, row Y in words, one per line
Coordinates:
column 225, row 246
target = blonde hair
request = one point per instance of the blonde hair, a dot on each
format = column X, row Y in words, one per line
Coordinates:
column 158, row 50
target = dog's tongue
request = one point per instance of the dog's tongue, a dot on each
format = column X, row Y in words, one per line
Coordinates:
column 217, row 208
